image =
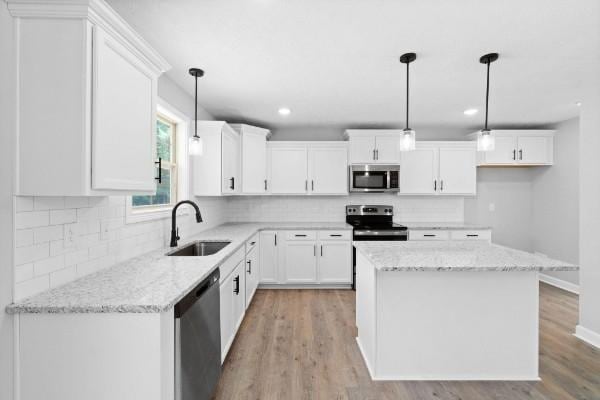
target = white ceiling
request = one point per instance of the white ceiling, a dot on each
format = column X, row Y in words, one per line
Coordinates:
column 335, row 62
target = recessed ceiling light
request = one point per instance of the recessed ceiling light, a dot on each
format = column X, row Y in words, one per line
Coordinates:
column 284, row 111
column 470, row 111
column 578, row 104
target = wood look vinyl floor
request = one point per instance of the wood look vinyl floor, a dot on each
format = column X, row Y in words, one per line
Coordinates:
column 300, row 344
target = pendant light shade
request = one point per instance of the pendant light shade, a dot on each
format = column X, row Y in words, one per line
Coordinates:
column 195, row 144
column 407, row 140
column 485, row 137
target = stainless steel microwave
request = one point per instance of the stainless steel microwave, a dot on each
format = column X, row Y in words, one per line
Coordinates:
column 374, row 178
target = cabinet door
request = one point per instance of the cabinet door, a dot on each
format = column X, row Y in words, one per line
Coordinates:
column 288, row 170
column 458, row 171
column 239, row 295
column 328, row 170
column 419, row 171
column 362, row 149
column 231, row 162
column 335, row 262
column 252, row 274
column 269, row 263
column 254, row 163
column 532, row 150
column 388, row 149
column 300, row 261
column 227, row 323
column 123, row 118
column 505, row 151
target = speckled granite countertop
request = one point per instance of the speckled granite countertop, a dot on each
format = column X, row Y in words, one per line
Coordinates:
column 416, row 226
column 455, row 256
column 153, row 282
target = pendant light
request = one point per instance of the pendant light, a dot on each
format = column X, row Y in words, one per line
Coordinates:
column 485, row 139
column 195, row 145
column 407, row 141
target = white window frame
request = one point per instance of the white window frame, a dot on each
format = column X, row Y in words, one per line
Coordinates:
column 134, row 214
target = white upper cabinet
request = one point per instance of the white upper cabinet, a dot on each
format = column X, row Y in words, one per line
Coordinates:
column 254, row 158
column 439, row 168
column 328, row 168
column 519, row 148
column 287, row 169
column 308, row 168
column 217, row 171
column 374, row 146
column 87, row 119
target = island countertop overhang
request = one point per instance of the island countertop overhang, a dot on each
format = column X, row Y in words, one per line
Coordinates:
column 455, row 256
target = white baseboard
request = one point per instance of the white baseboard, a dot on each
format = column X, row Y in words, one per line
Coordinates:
column 587, row 336
column 560, row 283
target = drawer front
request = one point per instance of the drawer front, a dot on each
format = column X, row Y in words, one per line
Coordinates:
column 229, row 265
column 335, row 235
column 301, row 235
column 471, row 235
column 252, row 243
column 428, row 235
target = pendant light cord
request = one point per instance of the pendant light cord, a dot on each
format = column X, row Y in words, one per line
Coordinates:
column 487, row 94
column 407, row 102
column 196, row 108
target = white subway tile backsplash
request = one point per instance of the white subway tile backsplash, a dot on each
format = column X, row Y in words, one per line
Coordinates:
column 63, row 276
column 44, row 267
column 31, row 286
column 23, row 272
column 31, row 253
column 62, row 216
column 23, row 237
column 59, row 239
column 31, row 219
column 48, row 233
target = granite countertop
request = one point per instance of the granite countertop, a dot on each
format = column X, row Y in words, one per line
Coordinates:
column 455, row 256
column 415, row 226
column 153, row 282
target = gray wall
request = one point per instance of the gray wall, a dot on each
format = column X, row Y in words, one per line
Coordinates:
column 7, row 102
column 508, row 191
column 320, row 133
column 555, row 201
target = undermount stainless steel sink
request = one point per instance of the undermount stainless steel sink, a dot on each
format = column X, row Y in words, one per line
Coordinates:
column 199, row 248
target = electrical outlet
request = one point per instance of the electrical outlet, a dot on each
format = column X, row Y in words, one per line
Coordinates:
column 492, row 207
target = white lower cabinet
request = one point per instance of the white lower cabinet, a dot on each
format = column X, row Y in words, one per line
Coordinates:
column 252, row 274
column 269, row 253
column 300, row 261
column 443, row 234
column 334, row 258
column 233, row 306
column 306, row 258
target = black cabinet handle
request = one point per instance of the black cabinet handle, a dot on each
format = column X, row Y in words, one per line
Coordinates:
column 249, row 262
column 514, row 154
column 312, row 185
column 374, row 155
column 521, row 154
column 335, row 235
column 236, row 288
column 321, row 250
column 275, row 239
column 429, row 235
column 472, row 235
column 265, row 185
column 159, row 163
column 442, row 185
column 300, row 235
column 435, row 185
column 232, row 186
column 252, row 243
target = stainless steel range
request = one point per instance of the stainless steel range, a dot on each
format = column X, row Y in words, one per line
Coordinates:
column 373, row 222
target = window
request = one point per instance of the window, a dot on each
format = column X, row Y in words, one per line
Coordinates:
column 166, row 149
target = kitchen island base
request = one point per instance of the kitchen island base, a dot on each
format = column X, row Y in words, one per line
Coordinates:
column 447, row 325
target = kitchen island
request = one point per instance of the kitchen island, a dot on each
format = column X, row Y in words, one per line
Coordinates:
column 449, row 310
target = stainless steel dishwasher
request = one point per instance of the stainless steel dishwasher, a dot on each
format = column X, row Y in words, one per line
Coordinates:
column 198, row 341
